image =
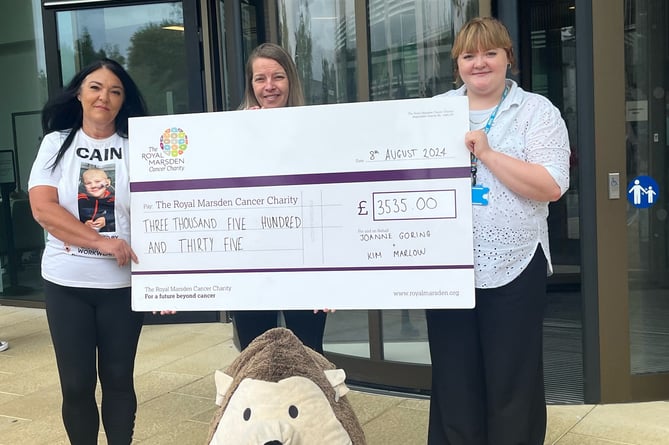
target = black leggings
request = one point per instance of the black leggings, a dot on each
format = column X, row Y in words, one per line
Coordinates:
column 306, row 326
column 83, row 322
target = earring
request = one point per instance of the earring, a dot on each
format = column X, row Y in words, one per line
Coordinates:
column 508, row 65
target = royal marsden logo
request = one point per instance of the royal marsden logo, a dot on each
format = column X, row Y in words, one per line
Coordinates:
column 174, row 142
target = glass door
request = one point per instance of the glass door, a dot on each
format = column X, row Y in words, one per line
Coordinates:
column 647, row 114
column 157, row 42
column 153, row 41
column 348, row 51
column 548, row 58
column 629, row 336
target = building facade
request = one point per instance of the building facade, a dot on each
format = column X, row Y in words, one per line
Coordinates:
column 603, row 63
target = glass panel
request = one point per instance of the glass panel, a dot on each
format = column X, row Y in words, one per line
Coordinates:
column 320, row 35
column 553, row 74
column 410, row 57
column 249, row 29
column 410, row 42
column 647, row 111
column 553, row 40
column 347, row 332
column 24, row 91
column 147, row 39
column 405, row 336
column 223, row 68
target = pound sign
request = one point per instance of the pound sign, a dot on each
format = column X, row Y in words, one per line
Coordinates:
column 362, row 210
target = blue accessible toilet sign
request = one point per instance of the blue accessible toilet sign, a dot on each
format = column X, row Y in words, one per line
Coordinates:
column 643, row 192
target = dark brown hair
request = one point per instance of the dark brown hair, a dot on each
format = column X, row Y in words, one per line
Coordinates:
column 64, row 112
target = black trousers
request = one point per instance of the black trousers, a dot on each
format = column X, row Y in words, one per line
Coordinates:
column 95, row 329
column 487, row 365
column 306, row 325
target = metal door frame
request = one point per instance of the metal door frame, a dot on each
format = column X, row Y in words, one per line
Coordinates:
column 192, row 36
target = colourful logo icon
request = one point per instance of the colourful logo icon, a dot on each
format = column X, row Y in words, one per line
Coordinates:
column 174, row 142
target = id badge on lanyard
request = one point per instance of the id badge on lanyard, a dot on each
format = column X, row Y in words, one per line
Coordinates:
column 479, row 191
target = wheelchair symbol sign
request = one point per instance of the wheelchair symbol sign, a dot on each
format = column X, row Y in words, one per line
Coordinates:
column 643, row 192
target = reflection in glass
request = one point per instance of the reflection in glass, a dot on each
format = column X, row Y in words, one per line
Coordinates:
column 23, row 92
column 321, row 38
column 346, row 332
column 405, row 336
column 410, row 46
column 249, row 29
column 646, row 82
column 223, row 54
column 147, row 39
column 553, row 74
column 410, row 57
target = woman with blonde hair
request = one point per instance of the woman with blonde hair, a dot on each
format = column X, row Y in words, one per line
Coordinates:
column 487, row 364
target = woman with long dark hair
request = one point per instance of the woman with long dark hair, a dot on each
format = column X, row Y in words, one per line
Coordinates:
column 86, row 272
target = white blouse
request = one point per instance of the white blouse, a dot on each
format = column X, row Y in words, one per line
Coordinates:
column 507, row 230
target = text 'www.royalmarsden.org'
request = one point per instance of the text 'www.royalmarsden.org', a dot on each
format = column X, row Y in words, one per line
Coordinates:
column 426, row 293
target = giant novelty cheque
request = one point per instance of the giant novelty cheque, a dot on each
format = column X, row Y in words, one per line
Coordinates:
column 348, row 206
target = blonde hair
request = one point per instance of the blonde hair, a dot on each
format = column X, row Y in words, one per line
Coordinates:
column 482, row 33
column 100, row 172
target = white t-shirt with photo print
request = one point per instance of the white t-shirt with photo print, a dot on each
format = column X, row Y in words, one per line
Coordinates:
column 75, row 266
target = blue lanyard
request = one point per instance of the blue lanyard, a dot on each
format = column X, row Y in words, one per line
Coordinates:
column 486, row 129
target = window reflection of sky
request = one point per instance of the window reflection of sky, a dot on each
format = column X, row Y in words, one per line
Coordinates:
column 397, row 29
column 111, row 27
column 325, row 16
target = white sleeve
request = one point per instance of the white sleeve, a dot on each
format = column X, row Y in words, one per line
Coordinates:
column 548, row 141
column 42, row 172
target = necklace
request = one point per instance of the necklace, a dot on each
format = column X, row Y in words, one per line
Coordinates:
column 478, row 117
column 477, row 122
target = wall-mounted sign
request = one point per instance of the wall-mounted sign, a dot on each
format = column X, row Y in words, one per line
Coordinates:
column 643, row 192
column 636, row 110
column 7, row 167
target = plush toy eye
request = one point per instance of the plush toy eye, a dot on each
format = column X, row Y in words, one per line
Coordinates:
column 292, row 411
column 247, row 413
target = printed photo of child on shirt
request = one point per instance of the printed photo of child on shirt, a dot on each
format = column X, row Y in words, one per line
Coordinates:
column 96, row 200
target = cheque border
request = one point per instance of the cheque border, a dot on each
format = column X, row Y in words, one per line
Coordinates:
column 302, row 179
column 303, row 269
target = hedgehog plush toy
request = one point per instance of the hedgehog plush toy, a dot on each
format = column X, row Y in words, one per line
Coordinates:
column 279, row 392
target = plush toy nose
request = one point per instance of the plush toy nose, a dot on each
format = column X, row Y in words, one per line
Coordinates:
column 274, row 442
